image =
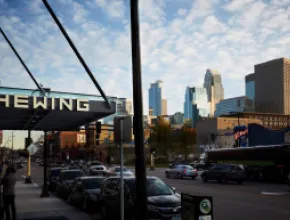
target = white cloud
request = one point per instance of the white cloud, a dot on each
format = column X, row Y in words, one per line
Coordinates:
column 237, row 5
column 177, row 45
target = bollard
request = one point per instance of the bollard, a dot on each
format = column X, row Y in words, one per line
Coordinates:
column 28, row 173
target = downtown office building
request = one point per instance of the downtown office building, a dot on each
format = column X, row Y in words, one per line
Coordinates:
column 195, row 104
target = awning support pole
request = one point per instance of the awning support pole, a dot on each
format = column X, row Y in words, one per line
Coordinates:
column 82, row 61
column 28, row 174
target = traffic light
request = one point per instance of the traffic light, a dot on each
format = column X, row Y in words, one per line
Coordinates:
column 213, row 136
column 99, row 127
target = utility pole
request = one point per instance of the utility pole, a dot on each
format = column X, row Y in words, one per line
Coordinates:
column 12, row 143
column 140, row 166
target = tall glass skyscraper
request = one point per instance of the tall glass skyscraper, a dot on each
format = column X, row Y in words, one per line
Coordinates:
column 195, row 104
column 250, row 91
column 214, row 87
column 155, row 98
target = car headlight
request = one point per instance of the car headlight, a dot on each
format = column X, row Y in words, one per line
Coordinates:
column 94, row 197
column 152, row 208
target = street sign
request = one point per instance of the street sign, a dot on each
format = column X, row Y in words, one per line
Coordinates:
column 32, row 149
column 196, row 207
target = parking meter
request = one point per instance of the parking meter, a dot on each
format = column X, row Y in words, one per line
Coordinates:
column 196, row 207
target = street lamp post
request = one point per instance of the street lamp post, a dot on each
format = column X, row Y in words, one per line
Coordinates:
column 12, row 142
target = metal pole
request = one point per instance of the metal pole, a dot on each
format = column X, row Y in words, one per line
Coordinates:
column 12, row 147
column 82, row 61
column 28, row 174
column 140, row 166
column 45, row 186
column 121, row 172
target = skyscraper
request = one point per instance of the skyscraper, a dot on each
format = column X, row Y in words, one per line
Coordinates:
column 214, row 88
column 250, row 92
column 272, row 86
column 195, row 104
column 155, row 98
column 164, row 107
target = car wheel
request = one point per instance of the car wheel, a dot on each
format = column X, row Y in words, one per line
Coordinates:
column 167, row 174
column 179, row 176
column 104, row 213
column 193, row 177
column 204, row 178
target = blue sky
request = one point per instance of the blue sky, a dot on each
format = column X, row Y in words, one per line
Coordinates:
column 180, row 40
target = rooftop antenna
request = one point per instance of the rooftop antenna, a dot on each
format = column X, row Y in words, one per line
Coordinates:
column 21, row 61
column 82, row 61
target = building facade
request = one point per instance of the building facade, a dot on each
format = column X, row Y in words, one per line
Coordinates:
column 164, row 107
column 272, row 86
column 222, row 129
column 195, row 104
column 227, row 106
column 214, row 88
column 155, row 97
column 177, row 118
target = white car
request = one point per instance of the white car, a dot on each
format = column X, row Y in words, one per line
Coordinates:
column 87, row 167
column 98, row 170
column 116, row 171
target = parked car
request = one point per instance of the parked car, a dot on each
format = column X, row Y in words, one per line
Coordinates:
column 163, row 202
column 53, row 176
column 116, row 171
column 200, row 166
column 224, row 173
column 98, row 170
column 65, row 179
column 288, row 180
column 91, row 163
column 84, row 192
column 181, row 171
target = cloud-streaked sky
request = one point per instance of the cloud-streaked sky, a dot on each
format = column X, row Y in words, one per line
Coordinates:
column 180, row 40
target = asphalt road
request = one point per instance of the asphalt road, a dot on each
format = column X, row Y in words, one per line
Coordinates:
column 230, row 201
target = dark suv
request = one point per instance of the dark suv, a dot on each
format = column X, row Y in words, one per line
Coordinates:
column 224, row 173
column 163, row 202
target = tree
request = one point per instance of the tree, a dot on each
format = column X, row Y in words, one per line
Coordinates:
column 187, row 139
column 161, row 136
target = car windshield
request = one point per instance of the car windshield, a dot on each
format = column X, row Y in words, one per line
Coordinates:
column 70, row 175
column 119, row 169
column 93, row 183
column 155, row 187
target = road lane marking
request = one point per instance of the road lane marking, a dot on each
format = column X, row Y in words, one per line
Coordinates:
column 223, row 190
column 275, row 193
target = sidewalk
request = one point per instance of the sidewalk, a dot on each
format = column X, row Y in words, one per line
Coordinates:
column 29, row 205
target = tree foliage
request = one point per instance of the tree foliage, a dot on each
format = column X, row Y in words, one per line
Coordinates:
column 167, row 139
column 161, row 136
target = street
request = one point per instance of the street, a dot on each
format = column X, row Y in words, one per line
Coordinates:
column 231, row 201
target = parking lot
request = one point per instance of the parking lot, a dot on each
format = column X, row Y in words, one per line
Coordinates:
column 251, row 200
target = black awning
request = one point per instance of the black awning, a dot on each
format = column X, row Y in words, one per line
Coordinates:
column 28, row 116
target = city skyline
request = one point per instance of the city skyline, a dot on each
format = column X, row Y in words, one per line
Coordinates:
column 180, row 40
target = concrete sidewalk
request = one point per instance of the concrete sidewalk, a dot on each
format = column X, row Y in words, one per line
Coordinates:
column 29, row 205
